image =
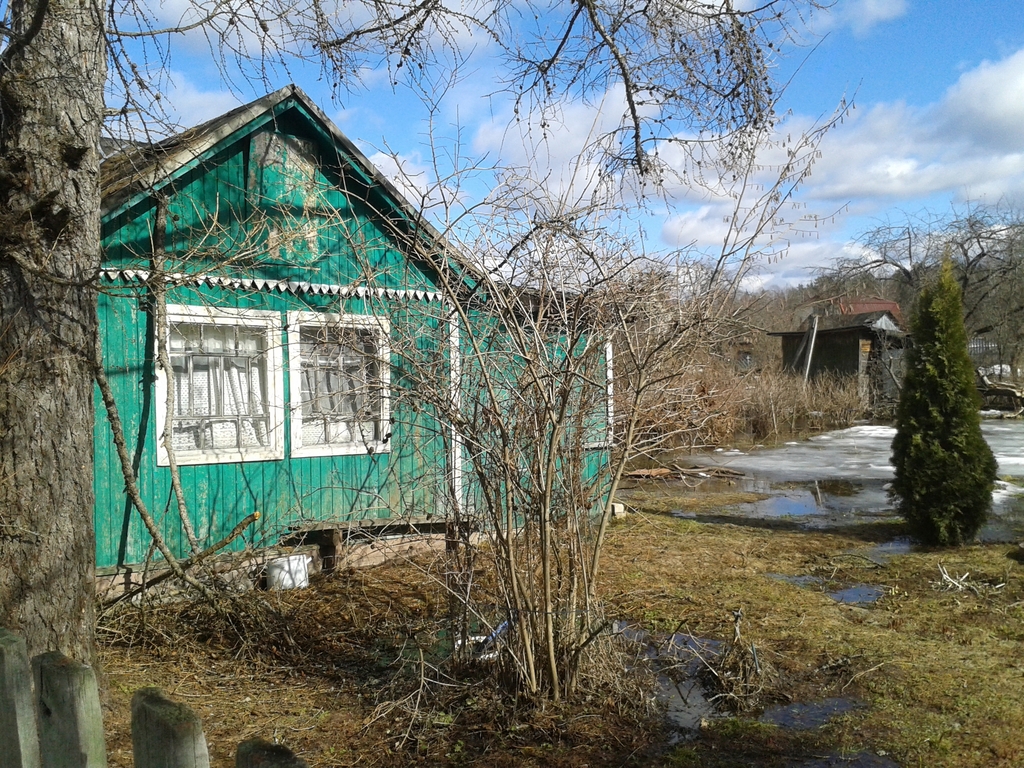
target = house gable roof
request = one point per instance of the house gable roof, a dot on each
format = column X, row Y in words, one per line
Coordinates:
column 138, row 172
column 877, row 322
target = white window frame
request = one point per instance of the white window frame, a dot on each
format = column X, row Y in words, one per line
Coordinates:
column 382, row 334
column 609, row 403
column 267, row 321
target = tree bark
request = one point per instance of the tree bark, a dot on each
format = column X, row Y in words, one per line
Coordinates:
column 51, row 109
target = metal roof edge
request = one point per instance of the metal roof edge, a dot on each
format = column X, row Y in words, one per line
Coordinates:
column 183, row 158
column 248, row 117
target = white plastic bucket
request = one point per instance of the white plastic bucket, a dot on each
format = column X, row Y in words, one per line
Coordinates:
column 290, row 572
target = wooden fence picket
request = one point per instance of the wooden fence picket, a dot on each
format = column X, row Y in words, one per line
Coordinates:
column 165, row 733
column 59, row 724
column 18, row 733
column 68, row 713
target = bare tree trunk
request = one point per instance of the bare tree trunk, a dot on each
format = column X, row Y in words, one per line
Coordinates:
column 51, row 110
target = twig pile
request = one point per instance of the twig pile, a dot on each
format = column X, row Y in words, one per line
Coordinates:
column 676, row 472
column 964, row 583
column 740, row 678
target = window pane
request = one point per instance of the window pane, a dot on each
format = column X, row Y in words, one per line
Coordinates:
column 223, row 434
column 185, row 435
column 339, row 390
column 220, row 383
column 215, row 339
column 180, row 381
column 203, row 386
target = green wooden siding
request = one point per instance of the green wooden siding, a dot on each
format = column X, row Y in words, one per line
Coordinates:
column 288, row 493
column 214, row 223
column 219, row 217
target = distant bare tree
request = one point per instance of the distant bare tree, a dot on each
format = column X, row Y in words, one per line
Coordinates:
column 986, row 246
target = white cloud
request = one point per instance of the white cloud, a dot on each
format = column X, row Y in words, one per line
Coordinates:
column 968, row 144
column 799, row 265
column 703, row 227
column 193, row 105
column 176, row 102
column 860, row 15
column 409, row 173
column 556, row 145
column 987, row 104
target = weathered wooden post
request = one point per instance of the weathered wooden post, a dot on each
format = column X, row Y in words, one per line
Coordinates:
column 19, row 739
column 166, row 734
column 68, row 713
column 257, row 753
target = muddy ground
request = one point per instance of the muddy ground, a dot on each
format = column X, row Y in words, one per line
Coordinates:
column 933, row 668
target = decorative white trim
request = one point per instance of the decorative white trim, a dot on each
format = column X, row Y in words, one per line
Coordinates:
column 609, row 437
column 610, row 392
column 455, row 394
column 270, row 323
column 382, row 330
column 269, row 286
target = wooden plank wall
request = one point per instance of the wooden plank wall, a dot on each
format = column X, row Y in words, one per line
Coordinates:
column 213, row 227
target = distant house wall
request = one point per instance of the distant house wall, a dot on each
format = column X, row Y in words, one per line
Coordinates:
column 837, row 352
column 876, row 359
column 885, row 372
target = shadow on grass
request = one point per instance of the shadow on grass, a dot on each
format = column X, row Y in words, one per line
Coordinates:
column 871, row 532
column 582, row 736
column 731, row 743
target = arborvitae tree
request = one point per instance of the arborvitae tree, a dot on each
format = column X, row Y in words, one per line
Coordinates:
column 945, row 470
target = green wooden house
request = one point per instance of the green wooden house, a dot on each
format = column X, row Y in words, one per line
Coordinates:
column 266, row 298
column 288, row 266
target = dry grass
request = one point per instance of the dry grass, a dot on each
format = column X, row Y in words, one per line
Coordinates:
column 940, row 669
column 774, row 404
column 714, row 403
column 350, row 672
column 303, row 667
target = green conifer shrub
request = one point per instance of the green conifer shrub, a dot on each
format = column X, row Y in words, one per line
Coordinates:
column 945, row 470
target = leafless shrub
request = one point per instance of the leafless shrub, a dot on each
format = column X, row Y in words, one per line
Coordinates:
column 707, row 404
column 775, row 404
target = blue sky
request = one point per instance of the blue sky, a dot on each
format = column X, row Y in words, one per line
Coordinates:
column 938, row 123
column 913, row 55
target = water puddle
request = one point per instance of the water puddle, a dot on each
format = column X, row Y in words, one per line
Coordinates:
column 677, row 659
column 851, row 594
column 684, row 702
column 840, row 479
column 880, row 554
column 799, row 581
column 859, row 594
column 810, row 715
column 676, row 648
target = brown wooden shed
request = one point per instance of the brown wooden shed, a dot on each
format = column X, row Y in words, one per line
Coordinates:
column 868, row 345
